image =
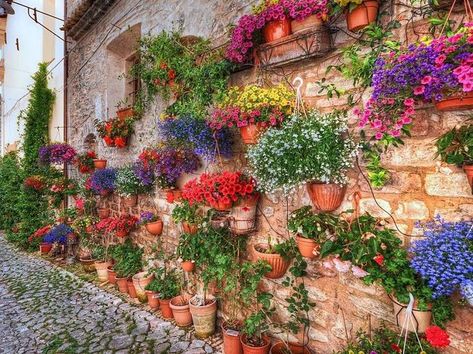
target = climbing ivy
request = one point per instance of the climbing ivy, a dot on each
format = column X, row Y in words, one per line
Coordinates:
column 10, row 185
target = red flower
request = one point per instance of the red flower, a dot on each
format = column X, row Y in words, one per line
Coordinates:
column 437, row 337
column 171, row 74
column 379, row 258
column 91, row 154
column 395, row 347
column 170, row 197
column 108, row 140
column 120, row 142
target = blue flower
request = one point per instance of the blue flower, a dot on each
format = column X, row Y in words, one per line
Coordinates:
column 58, row 234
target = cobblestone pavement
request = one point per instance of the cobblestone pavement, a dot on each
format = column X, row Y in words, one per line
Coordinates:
column 44, row 309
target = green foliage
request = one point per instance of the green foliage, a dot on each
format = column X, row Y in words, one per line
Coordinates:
column 287, row 249
column 184, row 212
column 304, row 222
column 456, row 146
column 189, row 247
column 166, row 282
column 128, row 259
column 127, row 182
column 10, row 186
column 187, row 70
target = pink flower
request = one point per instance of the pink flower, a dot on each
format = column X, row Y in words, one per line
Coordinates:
column 426, row 80
column 406, row 120
column 378, row 136
column 377, row 124
column 395, row 133
column 440, row 59
column 419, row 90
column 409, row 102
column 358, row 272
column 356, row 111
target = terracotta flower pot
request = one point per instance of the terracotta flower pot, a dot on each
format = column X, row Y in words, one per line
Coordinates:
column 278, row 264
column 121, row 233
column 188, row 266
column 221, row 206
column 125, row 113
column 189, row 228
column 131, row 289
column 422, row 319
column 455, row 102
column 310, row 22
column 153, row 299
column 204, row 317
column 250, row 133
column 248, row 349
column 326, row 196
column 362, row 15
column 275, row 30
column 112, row 276
column 45, row 247
column 87, row 264
column 165, row 308
column 469, row 174
column 100, row 164
column 140, row 281
column 122, row 285
column 131, row 201
column 102, row 270
column 103, row 213
column 155, row 228
column 180, row 310
column 306, row 246
column 231, row 340
column 281, row 348
column 243, row 216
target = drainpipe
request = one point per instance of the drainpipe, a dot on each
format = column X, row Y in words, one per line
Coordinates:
column 65, row 117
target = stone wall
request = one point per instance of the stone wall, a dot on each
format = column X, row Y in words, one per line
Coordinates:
column 421, row 186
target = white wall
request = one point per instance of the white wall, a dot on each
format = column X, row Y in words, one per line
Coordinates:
column 21, row 64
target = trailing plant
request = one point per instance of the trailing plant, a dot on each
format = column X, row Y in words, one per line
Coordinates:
column 305, row 149
column 318, row 227
column 172, row 163
column 184, row 212
column 187, row 70
column 85, row 161
column 102, row 181
column 115, row 131
column 456, row 146
column 188, row 248
column 58, row 153
column 127, row 183
column 128, row 259
column 58, row 234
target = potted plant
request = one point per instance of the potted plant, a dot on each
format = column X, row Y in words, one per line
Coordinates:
column 285, row 158
column 152, row 223
column 125, row 113
column 277, row 22
column 359, row 13
column 140, row 282
column 456, row 147
column 128, row 262
column 278, row 256
column 188, row 215
column 306, row 14
column 128, row 186
column 168, row 286
column 58, row 234
column 44, row 247
column 34, row 183
column 102, row 261
column 253, row 109
column 445, row 272
column 253, row 339
column 85, row 162
column 100, row 163
column 152, row 293
column 56, row 154
column 311, row 230
column 180, row 310
column 115, row 132
column 102, row 182
column 123, row 225
column 188, row 251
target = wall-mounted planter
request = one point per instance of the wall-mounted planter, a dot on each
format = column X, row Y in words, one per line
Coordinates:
column 187, row 266
column 456, row 102
column 131, row 201
column 243, row 216
column 277, row 29
column 306, row 246
column 278, row 264
column 100, row 164
column 250, row 133
column 326, row 196
column 125, row 113
column 155, row 228
column 311, row 22
column 362, row 15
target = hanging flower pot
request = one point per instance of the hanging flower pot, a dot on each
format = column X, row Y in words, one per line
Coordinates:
column 277, row 29
column 250, row 349
column 45, row 247
column 165, row 308
column 180, row 310
column 140, row 281
column 189, row 228
column 102, row 270
column 125, row 113
column 310, row 22
column 222, row 206
column 458, row 102
column 231, row 338
column 362, row 15
column 278, row 264
column 155, row 228
column 421, row 319
column 130, row 201
column 243, row 215
column 87, row 264
column 112, row 276
column 103, row 213
column 131, row 289
column 326, row 196
column 251, row 132
column 203, row 315
column 469, row 174
column 100, row 164
column 307, row 246
column 188, row 266
column 153, row 299
column 122, row 285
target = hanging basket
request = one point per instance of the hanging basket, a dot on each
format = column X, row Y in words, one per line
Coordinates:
column 362, row 15
column 243, row 216
column 421, row 319
column 326, row 196
column 278, row 264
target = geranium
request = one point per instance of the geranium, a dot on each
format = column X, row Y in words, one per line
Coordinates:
column 313, row 148
column 39, row 233
column 56, row 154
column 218, row 189
column 437, row 337
column 422, row 72
column 444, row 258
column 190, row 133
column 102, row 181
column 147, row 217
column 122, row 224
column 103, row 225
column 85, row 161
column 58, row 234
column 253, row 104
column 115, row 131
column 34, row 182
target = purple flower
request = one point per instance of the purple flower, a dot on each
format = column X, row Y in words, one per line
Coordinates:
column 103, row 181
column 58, row 234
column 173, row 162
column 56, row 154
